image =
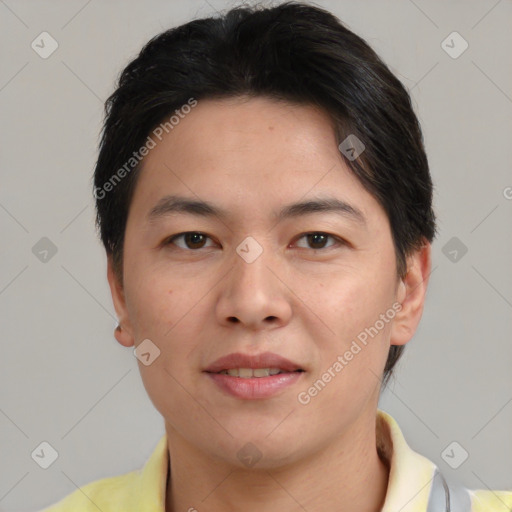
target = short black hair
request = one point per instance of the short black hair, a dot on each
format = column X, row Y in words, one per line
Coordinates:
column 295, row 52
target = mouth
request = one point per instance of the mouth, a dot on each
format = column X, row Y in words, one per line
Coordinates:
column 249, row 373
column 255, row 377
column 258, row 364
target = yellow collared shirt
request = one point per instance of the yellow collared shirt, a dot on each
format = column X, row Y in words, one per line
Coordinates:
column 415, row 484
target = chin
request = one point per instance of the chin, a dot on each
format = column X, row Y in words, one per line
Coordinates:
column 261, row 453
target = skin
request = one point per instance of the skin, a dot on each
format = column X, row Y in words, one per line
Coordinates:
column 306, row 300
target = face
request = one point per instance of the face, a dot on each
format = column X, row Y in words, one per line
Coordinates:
column 305, row 284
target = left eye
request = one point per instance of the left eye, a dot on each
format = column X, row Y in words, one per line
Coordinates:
column 196, row 240
column 319, row 238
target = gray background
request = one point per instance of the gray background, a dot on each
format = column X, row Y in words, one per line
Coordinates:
column 63, row 377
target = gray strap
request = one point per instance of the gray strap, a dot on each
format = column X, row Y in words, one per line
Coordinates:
column 447, row 496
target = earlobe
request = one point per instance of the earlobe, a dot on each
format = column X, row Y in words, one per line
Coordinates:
column 123, row 337
column 411, row 295
column 123, row 332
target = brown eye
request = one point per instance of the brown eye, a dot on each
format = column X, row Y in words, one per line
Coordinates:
column 318, row 240
column 192, row 239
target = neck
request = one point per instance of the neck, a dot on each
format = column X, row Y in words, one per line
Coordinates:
column 347, row 476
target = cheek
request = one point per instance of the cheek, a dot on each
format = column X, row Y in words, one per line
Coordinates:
column 154, row 302
column 351, row 305
column 354, row 301
column 162, row 313
column 165, row 310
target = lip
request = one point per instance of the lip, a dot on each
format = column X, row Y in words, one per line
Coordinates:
column 263, row 360
column 254, row 388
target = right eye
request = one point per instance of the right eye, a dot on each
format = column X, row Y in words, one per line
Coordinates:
column 193, row 240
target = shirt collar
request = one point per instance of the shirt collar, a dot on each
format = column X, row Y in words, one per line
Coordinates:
column 153, row 481
column 409, row 484
column 411, row 474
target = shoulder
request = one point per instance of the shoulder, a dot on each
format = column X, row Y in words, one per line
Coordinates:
column 106, row 495
column 141, row 489
column 487, row 500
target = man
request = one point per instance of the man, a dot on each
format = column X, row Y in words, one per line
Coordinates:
column 265, row 203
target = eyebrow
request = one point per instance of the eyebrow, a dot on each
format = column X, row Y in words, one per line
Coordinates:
column 170, row 204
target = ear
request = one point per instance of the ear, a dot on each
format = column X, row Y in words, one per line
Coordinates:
column 125, row 335
column 411, row 294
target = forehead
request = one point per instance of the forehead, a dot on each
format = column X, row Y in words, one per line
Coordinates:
column 246, row 127
column 249, row 153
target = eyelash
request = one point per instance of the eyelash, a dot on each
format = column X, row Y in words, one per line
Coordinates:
column 338, row 240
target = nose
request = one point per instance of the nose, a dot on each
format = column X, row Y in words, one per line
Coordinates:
column 255, row 293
